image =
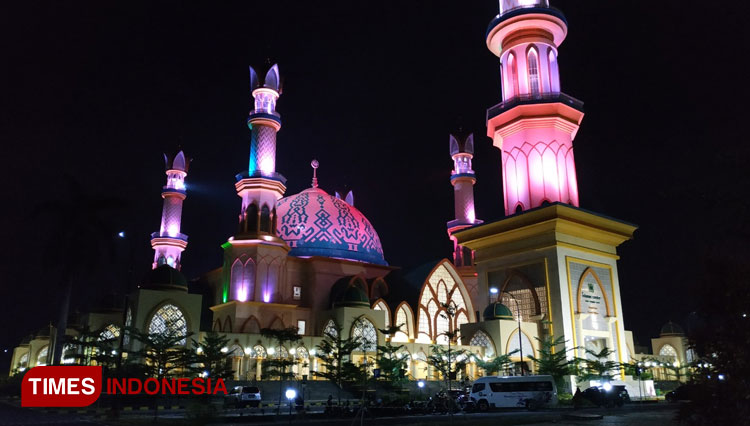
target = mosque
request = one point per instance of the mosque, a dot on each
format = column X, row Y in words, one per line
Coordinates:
column 313, row 260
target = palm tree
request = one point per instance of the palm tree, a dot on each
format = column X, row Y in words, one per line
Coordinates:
column 77, row 235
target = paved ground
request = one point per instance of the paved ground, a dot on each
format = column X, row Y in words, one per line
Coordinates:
column 635, row 415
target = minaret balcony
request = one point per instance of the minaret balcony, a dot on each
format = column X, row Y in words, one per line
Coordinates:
column 538, row 98
column 177, row 236
column 523, row 8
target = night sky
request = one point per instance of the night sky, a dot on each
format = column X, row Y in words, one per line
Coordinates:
column 94, row 93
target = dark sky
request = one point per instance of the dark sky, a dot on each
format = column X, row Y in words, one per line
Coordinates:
column 97, row 91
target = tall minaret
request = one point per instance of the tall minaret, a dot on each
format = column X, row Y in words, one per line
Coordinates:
column 254, row 257
column 169, row 243
column 261, row 186
column 535, row 124
column 463, row 180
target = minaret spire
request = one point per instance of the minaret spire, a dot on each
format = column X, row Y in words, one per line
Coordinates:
column 535, row 124
column 169, row 242
column 463, row 180
column 314, row 164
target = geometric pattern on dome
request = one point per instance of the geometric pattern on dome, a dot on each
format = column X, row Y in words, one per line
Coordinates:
column 315, row 223
column 169, row 320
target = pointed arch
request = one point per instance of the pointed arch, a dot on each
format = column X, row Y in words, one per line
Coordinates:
column 251, row 325
column 380, row 305
column 379, row 288
column 532, row 65
column 217, row 325
column 482, row 339
column 525, row 284
column 405, row 315
column 168, row 317
column 512, row 344
column 442, row 285
column 265, row 218
column 228, row 324
column 513, row 68
column 277, row 323
column 251, row 218
column 589, row 271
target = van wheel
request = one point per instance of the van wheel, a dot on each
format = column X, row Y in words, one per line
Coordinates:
column 483, row 406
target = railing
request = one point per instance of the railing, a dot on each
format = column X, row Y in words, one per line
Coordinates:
column 179, row 236
column 534, row 98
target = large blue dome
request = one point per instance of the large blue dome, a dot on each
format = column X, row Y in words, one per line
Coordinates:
column 315, row 223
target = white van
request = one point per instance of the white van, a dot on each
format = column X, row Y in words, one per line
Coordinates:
column 513, row 391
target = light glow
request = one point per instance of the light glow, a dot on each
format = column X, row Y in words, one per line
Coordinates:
column 290, row 394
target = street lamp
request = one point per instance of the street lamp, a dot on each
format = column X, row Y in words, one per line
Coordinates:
column 420, row 385
column 290, row 395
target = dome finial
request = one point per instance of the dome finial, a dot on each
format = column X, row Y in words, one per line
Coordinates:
column 314, row 164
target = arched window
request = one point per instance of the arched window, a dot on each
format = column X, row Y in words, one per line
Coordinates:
column 481, row 338
column 668, row 350
column 364, row 330
column 403, row 319
column 110, row 333
column 169, row 320
column 381, row 306
column 24, row 361
column 243, row 279
column 302, row 353
column 41, row 357
column 513, row 345
column 533, row 65
column 513, row 67
column 552, row 70
column 442, row 326
column 283, row 353
column 330, row 329
column 251, row 215
column 265, row 219
column 259, row 351
column 441, row 293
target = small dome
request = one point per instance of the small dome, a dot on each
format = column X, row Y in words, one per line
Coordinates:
column 315, row 223
column 353, row 296
column 497, row 310
column 167, row 277
column 672, row 329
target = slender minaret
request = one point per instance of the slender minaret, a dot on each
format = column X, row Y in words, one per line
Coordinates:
column 463, row 180
column 261, row 186
column 169, row 242
column 253, row 257
column 535, row 124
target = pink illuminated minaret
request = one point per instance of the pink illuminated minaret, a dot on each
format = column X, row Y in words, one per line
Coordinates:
column 535, row 124
column 169, row 242
column 463, row 180
column 261, row 186
column 254, row 256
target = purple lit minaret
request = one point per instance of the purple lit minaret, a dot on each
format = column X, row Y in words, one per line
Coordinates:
column 254, row 255
column 169, row 242
column 261, row 186
column 463, row 180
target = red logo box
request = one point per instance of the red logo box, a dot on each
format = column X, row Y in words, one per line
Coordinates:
column 61, row 386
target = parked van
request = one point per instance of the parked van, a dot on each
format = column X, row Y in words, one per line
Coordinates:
column 513, row 391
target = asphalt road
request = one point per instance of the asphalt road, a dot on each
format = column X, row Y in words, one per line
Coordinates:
column 635, row 415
